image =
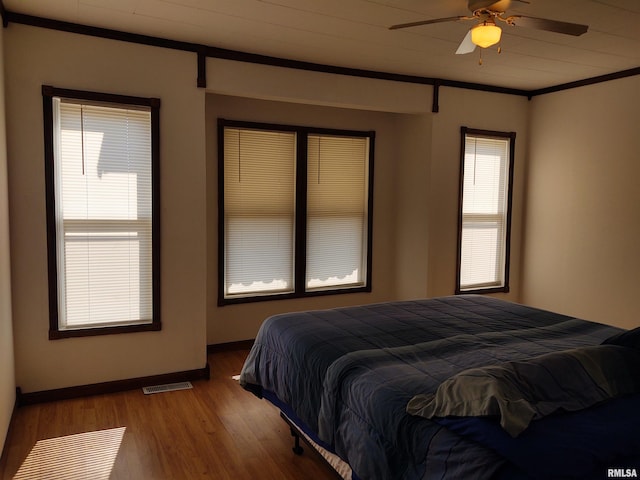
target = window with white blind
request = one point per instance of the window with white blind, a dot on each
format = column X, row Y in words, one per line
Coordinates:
column 485, row 206
column 101, row 156
column 295, row 213
column 259, row 186
column 336, row 211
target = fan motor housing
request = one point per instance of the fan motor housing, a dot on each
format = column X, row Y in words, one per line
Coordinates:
column 493, row 5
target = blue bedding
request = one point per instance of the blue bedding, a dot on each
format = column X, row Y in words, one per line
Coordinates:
column 580, row 445
column 347, row 375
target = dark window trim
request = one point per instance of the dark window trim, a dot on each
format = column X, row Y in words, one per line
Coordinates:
column 48, row 92
column 301, row 208
column 507, row 253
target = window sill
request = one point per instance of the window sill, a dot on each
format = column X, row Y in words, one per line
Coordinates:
column 287, row 296
column 476, row 291
column 92, row 332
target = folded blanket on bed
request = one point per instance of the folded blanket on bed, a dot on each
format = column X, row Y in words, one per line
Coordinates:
column 521, row 391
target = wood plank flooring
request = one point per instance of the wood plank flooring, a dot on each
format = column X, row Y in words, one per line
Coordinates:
column 214, row 431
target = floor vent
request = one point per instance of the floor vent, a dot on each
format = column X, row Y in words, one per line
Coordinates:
column 169, row 387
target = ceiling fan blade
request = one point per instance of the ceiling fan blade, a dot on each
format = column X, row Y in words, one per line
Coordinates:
column 466, row 46
column 426, row 22
column 548, row 25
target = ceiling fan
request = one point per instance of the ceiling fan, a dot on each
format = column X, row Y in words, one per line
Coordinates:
column 486, row 32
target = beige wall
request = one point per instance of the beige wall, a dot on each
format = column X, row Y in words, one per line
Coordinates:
column 33, row 57
column 315, row 88
column 416, row 175
column 240, row 322
column 583, row 203
column 427, row 177
column 263, row 93
column 415, row 202
column 7, row 377
column 412, row 228
column 481, row 110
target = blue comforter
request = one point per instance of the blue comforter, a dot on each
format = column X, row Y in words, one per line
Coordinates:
column 347, row 375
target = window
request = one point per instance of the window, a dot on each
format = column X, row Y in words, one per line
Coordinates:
column 485, row 211
column 101, row 166
column 294, row 210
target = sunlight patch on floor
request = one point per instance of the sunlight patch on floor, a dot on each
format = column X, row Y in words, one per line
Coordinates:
column 88, row 455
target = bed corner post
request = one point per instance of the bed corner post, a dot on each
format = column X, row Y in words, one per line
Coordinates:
column 297, row 449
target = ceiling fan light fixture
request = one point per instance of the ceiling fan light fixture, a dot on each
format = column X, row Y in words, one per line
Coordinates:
column 486, row 34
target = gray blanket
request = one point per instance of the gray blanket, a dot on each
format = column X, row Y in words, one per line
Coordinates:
column 521, row 391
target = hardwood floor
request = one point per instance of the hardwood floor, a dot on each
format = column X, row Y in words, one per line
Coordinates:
column 214, row 431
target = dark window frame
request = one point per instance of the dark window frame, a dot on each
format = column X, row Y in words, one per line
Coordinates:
column 48, row 93
column 299, row 290
column 511, row 136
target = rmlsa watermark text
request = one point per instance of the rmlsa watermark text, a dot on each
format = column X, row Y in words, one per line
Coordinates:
column 622, row 473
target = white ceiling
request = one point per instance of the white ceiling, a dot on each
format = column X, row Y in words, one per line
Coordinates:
column 354, row 34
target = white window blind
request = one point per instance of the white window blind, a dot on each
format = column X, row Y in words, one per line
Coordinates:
column 259, row 211
column 103, row 189
column 484, row 212
column 336, row 211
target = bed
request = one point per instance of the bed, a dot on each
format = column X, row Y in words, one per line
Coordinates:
column 464, row 386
